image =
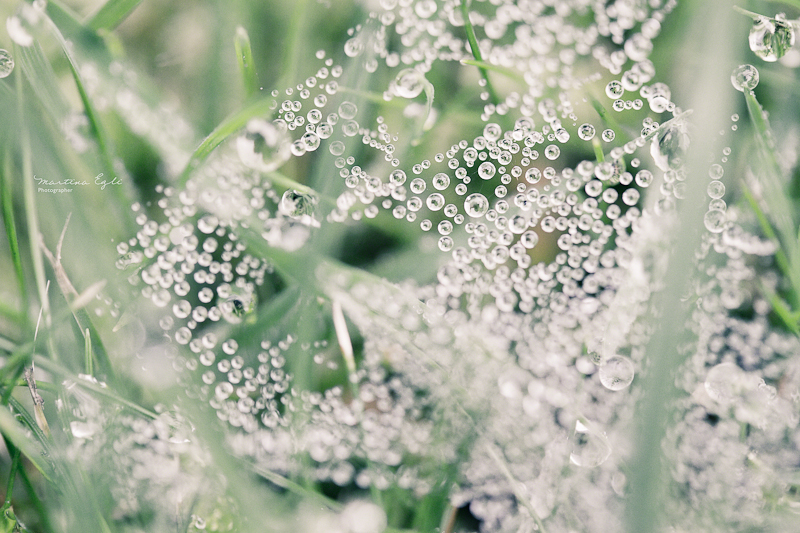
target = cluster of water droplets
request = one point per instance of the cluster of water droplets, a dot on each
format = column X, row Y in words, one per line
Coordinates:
column 550, row 220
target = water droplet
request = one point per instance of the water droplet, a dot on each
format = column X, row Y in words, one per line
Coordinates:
column 552, row 152
column 614, row 89
column 264, row 146
column 590, row 448
column 487, row 170
column 445, row 243
column 617, row 373
column 586, row 132
column 492, row 131
column 435, row 201
column 347, row 110
column 744, row 78
column 397, row 177
column 6, row 63
column 418, row 185
column 409, row 83
column 716, row 189
column 770, row 39
column 297, row 205
column 715, row 220
column 18, row 32
column 441, row 181
column 668, row 148
column 608, row 135
column 476, row 205
column 336, row 148
column 644, row 178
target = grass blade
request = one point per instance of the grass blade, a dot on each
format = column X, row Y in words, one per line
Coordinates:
column 777, row 202
column 11, row 228
column 32, row 449
column 476, row 51
column 228, row 127
column 59, row 370
column 111, row 14
column 244, row 56
column 29, row 195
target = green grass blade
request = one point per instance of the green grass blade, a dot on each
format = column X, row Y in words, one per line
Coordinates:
column 59, row 370
column 476, row 51
column 507, row 72
column 244, row 57
column 111, row 14
column 774, row 196
column 228, row 127
column 32, row 449
column 10, row 224
column 294, row 38
column 29, row 195
column 42, row 79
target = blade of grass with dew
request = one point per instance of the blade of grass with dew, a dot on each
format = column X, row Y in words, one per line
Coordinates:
column 507, row 72
column 96, row 128
column 55, row 368
column 712, row 102
column 32, row 449
column 9, row 222
column 609, row 121
column 82, row 318
column 225, row 129
column 29, row 195
column 476, row 51
column 42, row 80
column 777, row 202
column 294, row 38
column 244, row 57
column 111, row 14
column 769, row 232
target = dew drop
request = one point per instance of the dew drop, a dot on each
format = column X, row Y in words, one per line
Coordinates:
column 418, row 185
column 614, row 89
column 476, row 205
column 608, row 135
column 487, row 170
column 586, row 132
column 409, row 83
column 617, row 373
column 552, row 152
column 714, row 220
column 744, row 78
column 6, row 63
column 264, row 146
column 668, row 148
column 441, row 181
column 435, row 201
column 770, row 39
column 590, row 448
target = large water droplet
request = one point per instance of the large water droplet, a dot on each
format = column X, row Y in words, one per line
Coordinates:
column 264, row 146
column 299, row 206
column 617, row 373
column 6, row 63
column 409, row 83
column 744, row 78
column 590, row 447
column 714, row 220
column 770, row 38
column 669, row 147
